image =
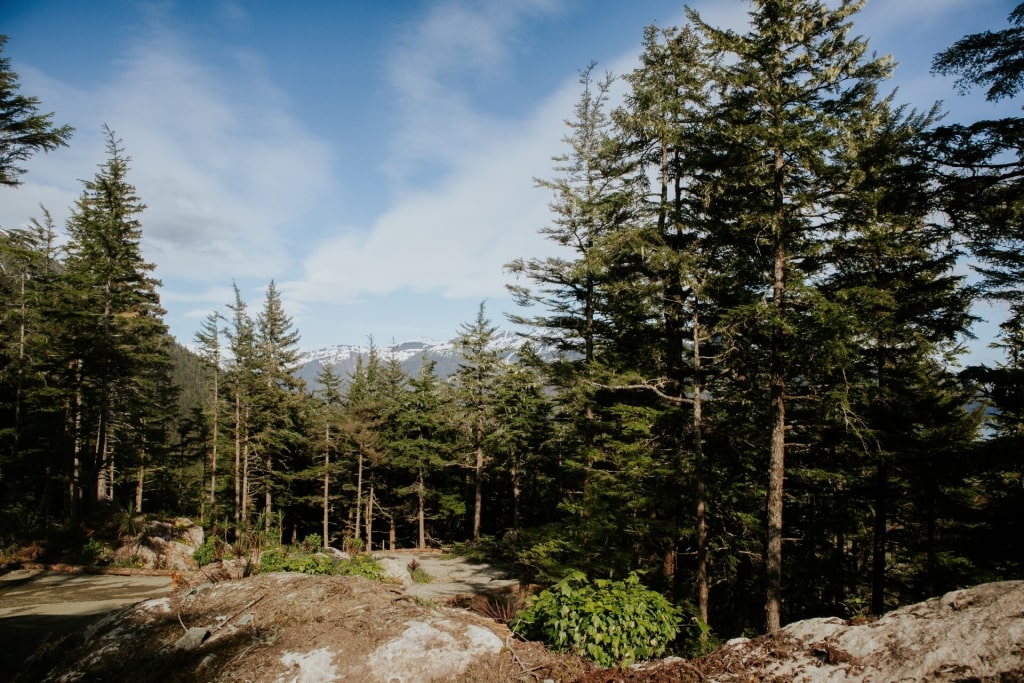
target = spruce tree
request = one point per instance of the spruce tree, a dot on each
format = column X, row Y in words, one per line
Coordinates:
column 117, row 328
column 23, row 130
column 208, row 339
column 475, row 382
column 792, row 91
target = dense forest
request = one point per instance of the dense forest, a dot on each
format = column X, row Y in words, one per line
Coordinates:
column 756, row 400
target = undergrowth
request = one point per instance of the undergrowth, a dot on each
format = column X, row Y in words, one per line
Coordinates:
column 612, row 623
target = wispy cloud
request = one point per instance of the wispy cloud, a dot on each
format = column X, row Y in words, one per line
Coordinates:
column 453, row 232
column 218, row 157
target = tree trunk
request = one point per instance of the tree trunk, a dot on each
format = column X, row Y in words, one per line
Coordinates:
column 238, row 462
column 478, row 497
column 213, row 450
column 140, row 483
column 879, row 540
column 246, row 503
column 359, row 494
column 421, row 512
column 369, row 519
column 327, row 483
column 703, row 585
column 516, row 487
column 777, row 409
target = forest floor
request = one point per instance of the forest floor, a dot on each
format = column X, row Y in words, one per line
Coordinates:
column 43, row 604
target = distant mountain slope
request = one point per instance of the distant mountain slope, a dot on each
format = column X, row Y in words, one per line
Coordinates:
column 410, row 354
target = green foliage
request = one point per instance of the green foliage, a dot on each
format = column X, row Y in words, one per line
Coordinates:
column 360, row 565
column 418, row 573
column 312, row 543
column 612, row 623
column 128, row 523
column 94, row 552
column 211, row 550
column 318, row 564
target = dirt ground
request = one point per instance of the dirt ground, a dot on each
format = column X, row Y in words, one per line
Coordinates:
column 37, row 605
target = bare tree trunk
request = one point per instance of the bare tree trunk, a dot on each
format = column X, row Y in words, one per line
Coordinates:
column 359, row 493
column 238, row 462
column 479, row 475
column 369, row 519
column 516, row 489
column 75, row 493
column 703, row 560
column 140, row 482
column 421, row 513
column 267, row 494
column 777, row 452
column 327, row 483
column 213, row 450
column 879, row 541
column 246, row 502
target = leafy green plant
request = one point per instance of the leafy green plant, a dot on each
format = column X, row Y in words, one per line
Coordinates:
column 612, row 623
column 361, row 565
column 352, row 546
column 312, row 543
column 282, row 560
column 417, row 572
column 211, row 550
column 93, row 551
column 127, row 523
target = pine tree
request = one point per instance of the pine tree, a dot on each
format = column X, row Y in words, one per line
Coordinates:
column 117, row 329
column 239, row 381
column 275, row 391
column 208, row 339
column 792, row 90
column 29, row 270
column 331, row 398
column 422, row 441
column 475, row 383
column 23, row 131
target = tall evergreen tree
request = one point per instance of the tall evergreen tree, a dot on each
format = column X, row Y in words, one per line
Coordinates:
column 23, row 130
column 793, row 89
column 208, row 339
column 276, row 392
column 475, row 383
column 117, row 329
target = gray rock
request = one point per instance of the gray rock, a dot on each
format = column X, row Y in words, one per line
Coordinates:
column 192, row 639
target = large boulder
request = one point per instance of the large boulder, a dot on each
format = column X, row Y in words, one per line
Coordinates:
column 161, row 544
column 975, row 634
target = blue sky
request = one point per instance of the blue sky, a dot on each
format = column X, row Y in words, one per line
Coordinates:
column 374, row 159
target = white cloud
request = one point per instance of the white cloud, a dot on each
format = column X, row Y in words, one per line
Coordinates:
column 221, row 163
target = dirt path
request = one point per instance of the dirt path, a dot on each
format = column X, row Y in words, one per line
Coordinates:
column 452, row 576
column 38, row 605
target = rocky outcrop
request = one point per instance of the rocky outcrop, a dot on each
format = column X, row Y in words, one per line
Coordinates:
column 161, row 544
column 293, row 627
column 975, row 634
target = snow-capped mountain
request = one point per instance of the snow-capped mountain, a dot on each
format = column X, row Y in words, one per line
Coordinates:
column 409, row 354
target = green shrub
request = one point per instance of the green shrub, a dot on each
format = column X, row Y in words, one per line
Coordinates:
column 313, row 543
column 417, row 572
column 361, row 565
column 281, row 560
column 211, row 550
column 93, row 552
column 612, row 623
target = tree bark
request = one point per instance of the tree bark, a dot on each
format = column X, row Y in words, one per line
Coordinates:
column 421, row 512
column 327, row 483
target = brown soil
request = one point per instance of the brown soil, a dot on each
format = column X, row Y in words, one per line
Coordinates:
column 256, row 624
